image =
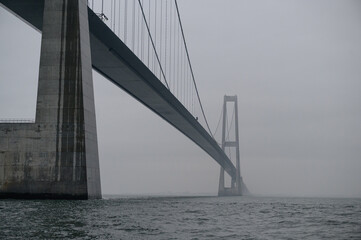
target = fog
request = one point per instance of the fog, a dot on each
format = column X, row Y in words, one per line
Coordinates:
column 296, row 68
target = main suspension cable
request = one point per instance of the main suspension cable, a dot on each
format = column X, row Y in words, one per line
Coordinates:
column 191, row 69
column 219, row 121
column 155, row 51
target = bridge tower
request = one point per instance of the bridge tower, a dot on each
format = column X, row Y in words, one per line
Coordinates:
column 57, row 156
column 236, row 183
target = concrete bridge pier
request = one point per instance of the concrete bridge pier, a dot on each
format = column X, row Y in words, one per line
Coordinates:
column 57, row 156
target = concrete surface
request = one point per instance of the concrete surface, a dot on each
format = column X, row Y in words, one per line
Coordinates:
column 57, row 156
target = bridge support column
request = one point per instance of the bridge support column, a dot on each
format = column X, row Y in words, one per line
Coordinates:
column 57, row 156
column 236, row 184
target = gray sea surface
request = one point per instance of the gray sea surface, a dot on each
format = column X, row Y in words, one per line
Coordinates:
column 182, row 218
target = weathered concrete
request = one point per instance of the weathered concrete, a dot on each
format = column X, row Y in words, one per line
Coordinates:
column 57, row 156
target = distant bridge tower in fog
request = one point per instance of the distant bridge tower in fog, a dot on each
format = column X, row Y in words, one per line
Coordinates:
column 237, row 186
column 138, row 46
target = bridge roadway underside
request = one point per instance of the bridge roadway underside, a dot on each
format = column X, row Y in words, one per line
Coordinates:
column 115, row 61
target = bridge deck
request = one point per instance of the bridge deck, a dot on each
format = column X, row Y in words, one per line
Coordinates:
column 115, row 61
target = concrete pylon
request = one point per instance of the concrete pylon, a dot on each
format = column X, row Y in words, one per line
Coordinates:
column 236, row 184
column 57, row 156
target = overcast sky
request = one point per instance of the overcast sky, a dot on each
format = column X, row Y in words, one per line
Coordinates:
column 295, row 66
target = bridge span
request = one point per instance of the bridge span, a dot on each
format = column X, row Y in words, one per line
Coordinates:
column 93, row 45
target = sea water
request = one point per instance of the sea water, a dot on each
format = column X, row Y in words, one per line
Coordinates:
column 182, row 218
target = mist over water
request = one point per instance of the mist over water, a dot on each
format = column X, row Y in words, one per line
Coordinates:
column 182, row 218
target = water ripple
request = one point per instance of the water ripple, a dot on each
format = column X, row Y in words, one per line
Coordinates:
column 182, row 218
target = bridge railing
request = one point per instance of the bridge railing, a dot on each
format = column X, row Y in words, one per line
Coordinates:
column 153, row 31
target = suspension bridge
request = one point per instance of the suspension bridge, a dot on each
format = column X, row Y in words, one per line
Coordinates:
column 138, row 45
